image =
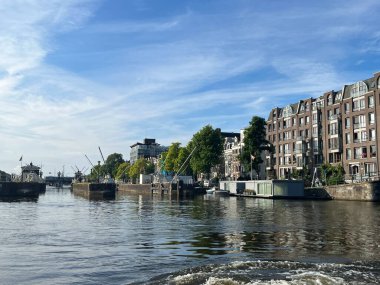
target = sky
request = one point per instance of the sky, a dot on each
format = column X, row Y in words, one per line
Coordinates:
column 78, row 74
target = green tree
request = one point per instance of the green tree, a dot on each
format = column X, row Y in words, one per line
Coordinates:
column 183, row 154
column 96, row 172
column 303, row 174
column 209, row 147
column 333, row 175
column 172, row 156
column 122, row 172
column 141, row 166
column 149, row 168
column 254, row 143
column 112, row 162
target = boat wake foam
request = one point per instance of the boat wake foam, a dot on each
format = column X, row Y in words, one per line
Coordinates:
column 273, row 273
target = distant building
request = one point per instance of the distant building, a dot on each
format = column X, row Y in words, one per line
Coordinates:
column 149, row 149
column 232, row 149
column 339, row 127
column 233, row 170
column 4, row 176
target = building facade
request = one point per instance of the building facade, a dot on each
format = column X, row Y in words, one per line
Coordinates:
column 4, row 176
column 339, row 127
column 233, row 169
column 149, row 149
column 232, row 149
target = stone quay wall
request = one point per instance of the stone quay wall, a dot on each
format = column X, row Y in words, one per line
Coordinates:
column 364, row 191
column 94, row 190
column 135, row 188
column 21, row 189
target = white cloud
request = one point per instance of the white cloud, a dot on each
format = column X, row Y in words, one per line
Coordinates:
column 161, row 78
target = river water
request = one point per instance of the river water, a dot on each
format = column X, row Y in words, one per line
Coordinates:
column 65, row 239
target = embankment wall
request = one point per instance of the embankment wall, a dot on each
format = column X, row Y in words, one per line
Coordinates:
column 364, row 191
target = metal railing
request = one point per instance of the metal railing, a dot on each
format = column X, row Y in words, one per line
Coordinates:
column 355, row 178
column 334, row 117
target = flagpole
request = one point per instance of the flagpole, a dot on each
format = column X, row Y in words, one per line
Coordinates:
column 21, row 168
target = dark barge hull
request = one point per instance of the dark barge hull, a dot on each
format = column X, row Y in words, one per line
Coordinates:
column 94, row 190
column 21, row 189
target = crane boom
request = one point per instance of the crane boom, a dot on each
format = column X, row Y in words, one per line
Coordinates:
column 93, row 167
column 88, row 160
column 101, row 154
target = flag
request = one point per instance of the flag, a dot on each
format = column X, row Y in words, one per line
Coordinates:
column 252, row 157
column 20, row 158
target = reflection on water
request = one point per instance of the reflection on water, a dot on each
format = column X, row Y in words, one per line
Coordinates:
column 62, row 238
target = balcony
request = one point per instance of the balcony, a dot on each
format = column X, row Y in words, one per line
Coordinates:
column 334, row 117
column 359, row 126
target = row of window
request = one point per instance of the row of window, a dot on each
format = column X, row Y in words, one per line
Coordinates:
column 300, row 161
column 361, row 152
column 300, row 135
column 333, row 143
column 361, row 136
column 355, row 153
column 290, row 122
column 333, row 128
column 332, row 114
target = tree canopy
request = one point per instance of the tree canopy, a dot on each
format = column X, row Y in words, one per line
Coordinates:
column 171, row 157
column 254, row 143
column 183, row 154
column 333, row 174
column 96, row 172
column 112, row 163
column 209, row 147
column 108, row 168
column 141, row 166
column 122, row 172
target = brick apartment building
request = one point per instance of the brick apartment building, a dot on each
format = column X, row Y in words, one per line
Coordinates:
column 339, row 127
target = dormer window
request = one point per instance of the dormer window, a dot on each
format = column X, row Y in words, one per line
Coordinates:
column 358, row 89
column 287, row 112
column 329, row 99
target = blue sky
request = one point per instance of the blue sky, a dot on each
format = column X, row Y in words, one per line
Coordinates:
column 75, row 75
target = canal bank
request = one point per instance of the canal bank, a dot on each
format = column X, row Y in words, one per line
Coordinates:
column 165, row 189
column 294, row 189
column 364, row 191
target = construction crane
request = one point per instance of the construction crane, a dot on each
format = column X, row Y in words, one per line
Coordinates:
column 101, row 154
